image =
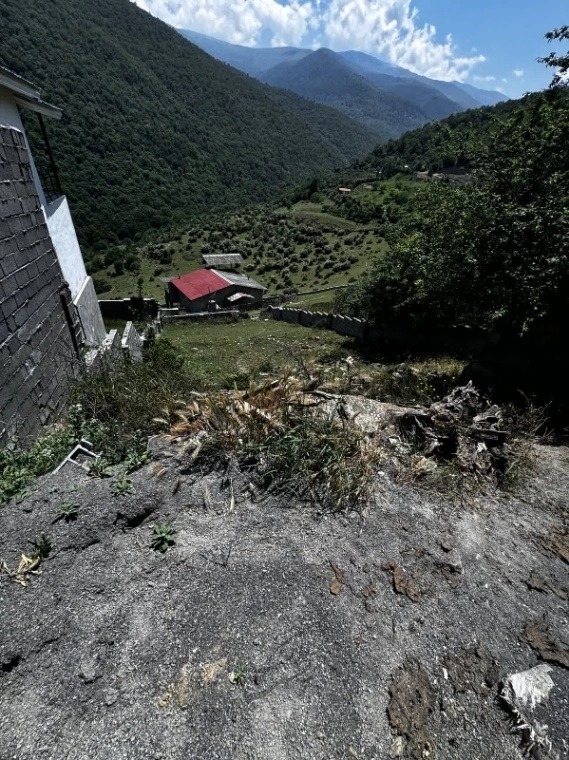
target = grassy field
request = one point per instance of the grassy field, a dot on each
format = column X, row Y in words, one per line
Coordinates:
column 228, row 356
column 301, row 248
column 221, row 355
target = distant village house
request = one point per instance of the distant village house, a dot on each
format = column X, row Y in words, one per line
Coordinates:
column 211, row 289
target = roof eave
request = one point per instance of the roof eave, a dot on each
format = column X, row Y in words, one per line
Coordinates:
column 39, row 106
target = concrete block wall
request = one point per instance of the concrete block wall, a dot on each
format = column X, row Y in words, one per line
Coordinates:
column 131, row 342
column 40, row 333
column 348, row 326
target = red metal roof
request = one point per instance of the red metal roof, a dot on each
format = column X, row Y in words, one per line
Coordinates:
column 200, row 283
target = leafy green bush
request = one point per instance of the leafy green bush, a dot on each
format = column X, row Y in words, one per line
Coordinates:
column 116, row 410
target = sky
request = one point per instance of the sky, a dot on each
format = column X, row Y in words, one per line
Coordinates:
column 491, row 44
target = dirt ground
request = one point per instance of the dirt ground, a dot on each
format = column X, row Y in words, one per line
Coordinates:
column 273, row 631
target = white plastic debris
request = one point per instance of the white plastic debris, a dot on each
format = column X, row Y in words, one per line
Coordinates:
column 530, row 687
column 521, row 692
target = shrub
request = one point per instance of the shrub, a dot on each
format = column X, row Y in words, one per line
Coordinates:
column 116, row 409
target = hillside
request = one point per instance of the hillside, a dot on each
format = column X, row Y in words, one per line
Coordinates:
column 324, row 77
column 258, row 62
column 282, row 583
column 155, row 130
column 455, row 141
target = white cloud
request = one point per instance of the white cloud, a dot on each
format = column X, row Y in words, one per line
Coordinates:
column 518, row 72
column 484, row 79
column 390, row 29
column 387, row 28
column 237, row 21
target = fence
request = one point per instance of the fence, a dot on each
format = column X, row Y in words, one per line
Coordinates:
column 348, row 326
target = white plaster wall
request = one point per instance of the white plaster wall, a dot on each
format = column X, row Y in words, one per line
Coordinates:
column 90, row 314
column 62, row 232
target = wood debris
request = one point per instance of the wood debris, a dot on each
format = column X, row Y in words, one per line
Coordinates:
column 402, row 583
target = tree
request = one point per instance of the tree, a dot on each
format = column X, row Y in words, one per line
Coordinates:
column 492, row 253
column 559, row 62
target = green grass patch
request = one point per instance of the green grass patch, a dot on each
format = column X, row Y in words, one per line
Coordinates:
column 301, row 248
column 224, row 355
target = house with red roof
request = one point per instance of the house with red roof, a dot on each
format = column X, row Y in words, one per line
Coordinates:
column 211, row 289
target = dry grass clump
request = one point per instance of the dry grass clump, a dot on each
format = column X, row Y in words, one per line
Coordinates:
column 272, row 430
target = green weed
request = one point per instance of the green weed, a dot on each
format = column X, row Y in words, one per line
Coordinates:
column 239, row 675
column 99, row 468
column 41, row 547
column 162, row 538
column 19, row 465
column 67, row 512
column 121, row 484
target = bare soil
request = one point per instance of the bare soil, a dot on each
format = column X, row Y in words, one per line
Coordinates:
column 272, row 630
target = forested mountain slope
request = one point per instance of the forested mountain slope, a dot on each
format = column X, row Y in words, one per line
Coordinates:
column 455, row 141
column 323, row 76
column 154, row 129
column 258, row 62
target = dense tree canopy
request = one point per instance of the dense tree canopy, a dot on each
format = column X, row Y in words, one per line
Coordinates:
column 155, row 130
column 494, row 252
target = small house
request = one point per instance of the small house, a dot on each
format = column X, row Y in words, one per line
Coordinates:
column 207, row 289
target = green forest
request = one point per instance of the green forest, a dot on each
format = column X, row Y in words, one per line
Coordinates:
column 154, row 130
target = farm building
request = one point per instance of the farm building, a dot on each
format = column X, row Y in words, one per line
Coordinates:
column 209, row 288
column 212, row 261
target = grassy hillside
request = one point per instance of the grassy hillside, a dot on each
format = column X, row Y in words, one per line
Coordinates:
column 301, row 248
column 155, row 130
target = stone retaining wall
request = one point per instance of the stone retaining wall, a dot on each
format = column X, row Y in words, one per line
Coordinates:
column 183, row 317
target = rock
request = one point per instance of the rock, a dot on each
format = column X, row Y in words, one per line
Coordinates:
column 397, row 747
column 88, row 671
column 110, row 697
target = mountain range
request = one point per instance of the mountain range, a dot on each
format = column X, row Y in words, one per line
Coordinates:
column 154, row 130
column 386, row 99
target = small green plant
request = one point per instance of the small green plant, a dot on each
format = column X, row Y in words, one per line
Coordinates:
column 239, row 675
column 99, row 468
column 121, row 485
column 162, row 538
column 67, row 512
column 135, row 460
column 42, row 547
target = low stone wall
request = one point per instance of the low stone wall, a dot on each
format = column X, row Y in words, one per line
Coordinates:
column 348, row 326
column 130, row 308
column 184, row 317
column 105, row 356
column 116, row 348
column 132, row 342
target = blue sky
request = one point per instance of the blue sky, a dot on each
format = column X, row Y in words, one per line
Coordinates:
column 489, row 43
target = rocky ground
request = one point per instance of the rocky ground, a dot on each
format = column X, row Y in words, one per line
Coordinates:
column 270, row 630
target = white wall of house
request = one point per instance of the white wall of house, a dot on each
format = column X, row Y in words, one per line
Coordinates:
column 63, row 237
